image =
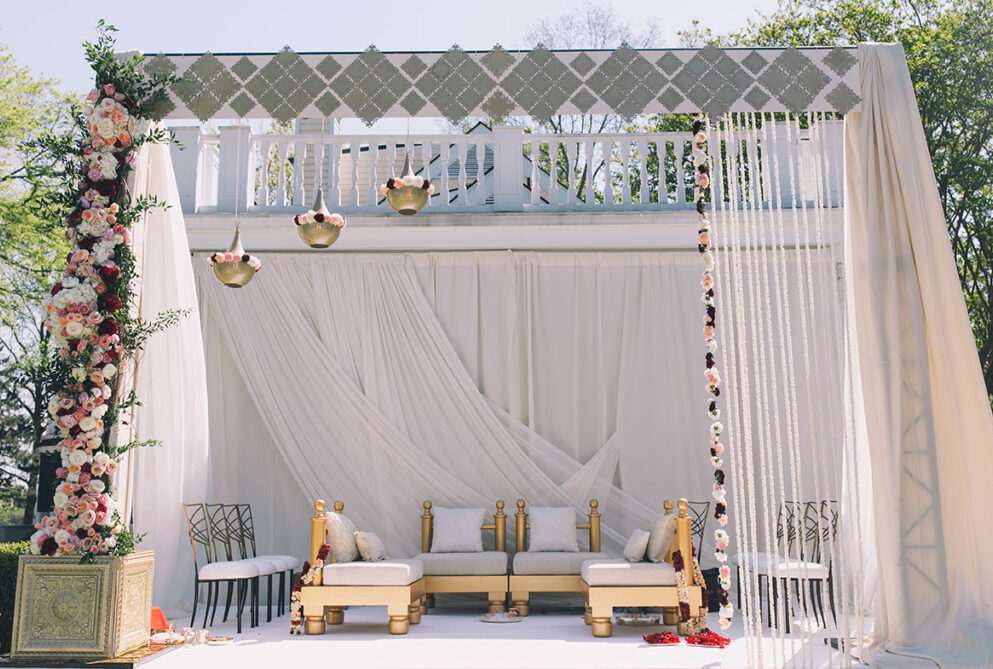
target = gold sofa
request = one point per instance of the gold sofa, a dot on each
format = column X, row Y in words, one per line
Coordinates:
column 396, row 584
column 610, row 583
column 549, row 571
column 467, row 572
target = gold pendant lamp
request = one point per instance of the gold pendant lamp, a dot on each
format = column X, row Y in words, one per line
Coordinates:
column 235, row 268
column 319, row 228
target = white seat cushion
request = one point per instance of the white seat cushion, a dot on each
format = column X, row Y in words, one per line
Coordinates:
column 266, row 565
column 285, row 561
column 622, row 572
column 233, row 570
column 464, row 564
column 782, row 567
column 564, row 562
column 386, row 572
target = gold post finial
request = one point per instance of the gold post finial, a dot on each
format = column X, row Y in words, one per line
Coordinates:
column 427, row 505
column 319, row 508
column 520, row 505
column 339, row 507
column 684, row 507
column 500, row 505
column 594, row 504
column 667, row 505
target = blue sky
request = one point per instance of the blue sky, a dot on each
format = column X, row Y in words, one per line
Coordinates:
column 45, row 35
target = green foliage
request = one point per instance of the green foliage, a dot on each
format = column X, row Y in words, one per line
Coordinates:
column 9, row 554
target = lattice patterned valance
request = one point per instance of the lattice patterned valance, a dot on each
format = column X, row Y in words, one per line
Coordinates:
column 456, row 84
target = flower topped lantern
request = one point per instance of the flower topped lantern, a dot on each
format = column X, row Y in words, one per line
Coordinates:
column 234, row 268
column 319, row 228
column 408, row 194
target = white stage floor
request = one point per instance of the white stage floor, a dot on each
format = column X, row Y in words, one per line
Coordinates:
column 452, row 636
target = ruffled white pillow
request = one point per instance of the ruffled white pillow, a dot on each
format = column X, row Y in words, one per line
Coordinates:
column 552, row 529
column 371, row 547
column 635, row 549
column 341, row 536
column 663, row 534
column 457, row 530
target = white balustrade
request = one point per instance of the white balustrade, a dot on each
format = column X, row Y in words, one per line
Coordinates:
column 504, row 170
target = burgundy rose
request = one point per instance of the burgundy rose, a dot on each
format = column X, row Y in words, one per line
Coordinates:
column 48, row 546
column 106, row 188
column 426, row 184
column 87, row 243
column 110, row 274
column 74, row 430
column 391, row 183
column 109, row 302
column 719, row 476
column 319, row 217
column 108, row 326
column 704, row 599
column 56, row 289
column 677, row 560
column 101, row 507
column 684, row 611
column 85, row 467
column 82, row 533
column 719, row 509
column 72, row 344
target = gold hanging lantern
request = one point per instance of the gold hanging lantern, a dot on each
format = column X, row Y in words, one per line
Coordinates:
column 408, row 194
column 319, row 228
column 234, row 268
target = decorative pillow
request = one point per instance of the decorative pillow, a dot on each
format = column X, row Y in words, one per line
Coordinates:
column 636, row 546
column 371, row 547
column 341, row 536
column 552, row 529
column 457, row 530
column 663, row 534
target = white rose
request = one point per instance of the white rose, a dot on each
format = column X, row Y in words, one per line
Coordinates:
column 86, row 424
column 99, row 411
column 61, row 536
column 109, row 371
column 60, row 500
column 106, row 128
column 79, row 374
column 101, row 458
column 95, row 486
column 111, row 541
column 79, row 456
column 53, row 406
column 74, row 329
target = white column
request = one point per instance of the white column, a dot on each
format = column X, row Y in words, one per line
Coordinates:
column 186, row 158
column 508, row 142
column 232, row 179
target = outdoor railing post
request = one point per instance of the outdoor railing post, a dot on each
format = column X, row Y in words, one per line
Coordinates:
column 186, row 159
column 227, row 183
column 508, row 161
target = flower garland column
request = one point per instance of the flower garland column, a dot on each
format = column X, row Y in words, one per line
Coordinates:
column 700, row 185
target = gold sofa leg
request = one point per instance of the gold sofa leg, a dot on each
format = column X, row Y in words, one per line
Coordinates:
column 497, row 602
column 414, row 613
column 521, row 602
column 399, row 624
column 424, row 606
column 588, row 615
column 334, row 615
column 602, row 627
column 670, row 615
column 313, row 625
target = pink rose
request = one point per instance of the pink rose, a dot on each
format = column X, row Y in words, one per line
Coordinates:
column 108, row 89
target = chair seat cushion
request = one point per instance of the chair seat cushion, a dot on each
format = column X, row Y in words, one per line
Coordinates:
column 464, row 564
column 386, row 572
column 266, row 565
column 781, row 567
column 564, row 562
column 622, row 572
column 232, row 570
column 284, row 561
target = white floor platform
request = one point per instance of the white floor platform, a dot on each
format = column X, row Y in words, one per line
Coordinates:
column 451, row 636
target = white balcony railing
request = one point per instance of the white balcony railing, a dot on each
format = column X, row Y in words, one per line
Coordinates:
column 504, row 170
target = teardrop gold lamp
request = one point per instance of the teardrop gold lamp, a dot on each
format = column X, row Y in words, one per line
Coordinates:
column 319, row 228
column 234, row 268
column 408, row 194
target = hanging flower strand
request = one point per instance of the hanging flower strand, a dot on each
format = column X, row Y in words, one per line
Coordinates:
column 700, row 185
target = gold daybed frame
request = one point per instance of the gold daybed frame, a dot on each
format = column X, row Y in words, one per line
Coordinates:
column 601, row 599
column 494, row 585
column 325, row 604
column 522, row 585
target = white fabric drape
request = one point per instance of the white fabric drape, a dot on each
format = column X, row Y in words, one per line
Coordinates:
column 171, row 386
column 926, row 409
column 359, row 377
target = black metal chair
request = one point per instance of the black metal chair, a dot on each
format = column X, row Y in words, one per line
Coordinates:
column 211, row 571
column 223, row 542
column 287, row 563
column 698, row 512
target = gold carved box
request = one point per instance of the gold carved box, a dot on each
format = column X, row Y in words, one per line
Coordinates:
column 66, row 610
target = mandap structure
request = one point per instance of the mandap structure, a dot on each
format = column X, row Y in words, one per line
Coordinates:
column 535, row 330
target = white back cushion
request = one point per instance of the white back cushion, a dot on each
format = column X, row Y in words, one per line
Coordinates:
column 635, row 549
column 341, row 536
column 371, row 547
column 663, row 534
column 552, row 529
column 457, row 530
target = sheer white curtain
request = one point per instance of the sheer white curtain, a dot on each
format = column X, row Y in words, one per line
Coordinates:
column 171, row 385
column 926, row 408
column 387, row 379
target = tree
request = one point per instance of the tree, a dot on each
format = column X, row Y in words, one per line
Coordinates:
column 949, row 47
column 32, row 112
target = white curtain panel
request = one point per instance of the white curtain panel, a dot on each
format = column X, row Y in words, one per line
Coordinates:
column 171, row 385
column 461, row 377
column 927, row 415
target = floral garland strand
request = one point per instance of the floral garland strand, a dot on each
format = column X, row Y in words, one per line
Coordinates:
column 307, row 576
column 700, row 185
column 89, row 310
